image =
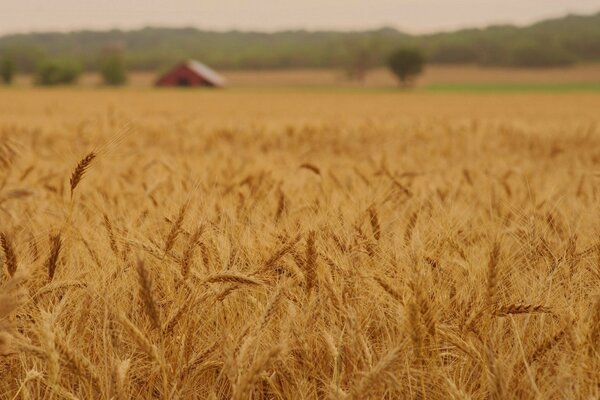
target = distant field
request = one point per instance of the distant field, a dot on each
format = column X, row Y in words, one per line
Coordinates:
column 460, row 78
column 433, row 75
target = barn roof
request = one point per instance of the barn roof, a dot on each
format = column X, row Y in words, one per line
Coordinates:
column 206, row 72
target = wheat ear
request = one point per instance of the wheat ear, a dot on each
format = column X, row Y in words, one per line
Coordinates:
column 80, row 170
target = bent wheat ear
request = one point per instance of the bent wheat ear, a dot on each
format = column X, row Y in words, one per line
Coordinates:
column 80, row 170
column 389, row 289
column 520, row 308
column 232, row 278
column 311, row 167
column 285, row 248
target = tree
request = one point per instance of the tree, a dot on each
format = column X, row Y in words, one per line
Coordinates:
column 361, row 61
column 362, row 57
column 112, row 68
column 7, row 70
column 406, row 64
column 58, row 72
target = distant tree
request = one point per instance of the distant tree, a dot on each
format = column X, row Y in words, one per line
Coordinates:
column 406, row 64
column 112, row 68
column 58, row 72
column 7, row 70
column 360, row 62
column 362, row 57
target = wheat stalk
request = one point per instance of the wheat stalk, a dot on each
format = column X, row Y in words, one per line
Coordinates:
column 175, row 228
column 310, row 262
column 243, row 387
column 139, row 338
column 546, row 346
column 48, row 342
column 146, row 295
column 77, row 362
column 111, row 235
column 10, row 257
column 373, row 378
column 188, row 254
column 375, row 225
column 232, row 278
column 492, row 271
column 53, row 256
column 118, row 376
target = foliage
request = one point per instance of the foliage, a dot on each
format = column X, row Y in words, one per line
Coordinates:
column 157, row 48
column 58, row 72
column 406, row 64
column 7, row 69
column 26, row 56
column 541, row 56
column 112, row 69
column 363, row 55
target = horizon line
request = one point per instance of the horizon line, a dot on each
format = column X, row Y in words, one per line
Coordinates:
column 293, row 29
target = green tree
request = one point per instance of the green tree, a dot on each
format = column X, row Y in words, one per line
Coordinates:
column 112, row 69
column 406, row 64
column 7, row 70
column 58, row 72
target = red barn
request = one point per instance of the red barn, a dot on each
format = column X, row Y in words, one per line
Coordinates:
column 191, row 73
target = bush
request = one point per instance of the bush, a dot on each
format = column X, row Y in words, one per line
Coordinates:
column 112, row 69
column 406, row 64
column 58, row 72
column 7, row 70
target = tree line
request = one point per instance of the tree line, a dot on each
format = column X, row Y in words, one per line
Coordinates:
column 405, row 64
column 556, row 42
column 64, row 71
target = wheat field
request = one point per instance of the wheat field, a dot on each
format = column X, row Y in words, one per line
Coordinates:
column 298, row 245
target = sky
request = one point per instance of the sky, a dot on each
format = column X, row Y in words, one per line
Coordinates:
column 413, row 16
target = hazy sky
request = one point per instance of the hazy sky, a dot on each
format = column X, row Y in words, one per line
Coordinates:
column 408, row 15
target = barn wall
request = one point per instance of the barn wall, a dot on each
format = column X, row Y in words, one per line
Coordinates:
column 173, row 77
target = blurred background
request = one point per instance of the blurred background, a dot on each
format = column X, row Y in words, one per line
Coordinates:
column 428, row 45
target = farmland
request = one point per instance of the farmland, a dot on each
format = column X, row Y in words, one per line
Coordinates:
column 293, row 244
column 583, row 76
